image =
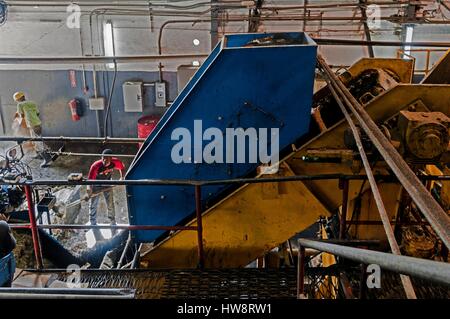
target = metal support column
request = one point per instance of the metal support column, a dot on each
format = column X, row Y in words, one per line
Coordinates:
column 255, row 17
column 301, row 272
column 362, row 5
column 33, row 226
column 215, row 14
column 198, row 209
column 305, row 11
column 362, row 282
column 344, row 185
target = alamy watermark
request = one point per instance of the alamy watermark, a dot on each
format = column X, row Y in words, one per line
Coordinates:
column 230, row 146
column 373, row 13
column 74, row 276
column 74, row 17
column 374, row 277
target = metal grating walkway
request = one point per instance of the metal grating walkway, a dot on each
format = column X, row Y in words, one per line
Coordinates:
column 207, row 284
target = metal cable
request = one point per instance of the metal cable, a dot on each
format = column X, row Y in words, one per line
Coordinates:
column 108, row 108
column 433, row 212
column 406, row 281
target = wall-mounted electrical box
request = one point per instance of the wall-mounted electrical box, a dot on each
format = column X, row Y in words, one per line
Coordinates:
column 132, row 96
column 97, row 104
column 160, row 94
column 184, row 75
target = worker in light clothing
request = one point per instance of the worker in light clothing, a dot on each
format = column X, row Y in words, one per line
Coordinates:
column 28, row 115
column 102, row 170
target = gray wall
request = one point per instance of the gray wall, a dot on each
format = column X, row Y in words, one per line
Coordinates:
column 43, row 32
column 52, row 91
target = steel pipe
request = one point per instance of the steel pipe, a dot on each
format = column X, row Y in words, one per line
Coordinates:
column 435, row 271
column 325, row 41
column 144, row 4
column 104, row 140
column 90, row 154
column 352, row 242
column 69, row 293
column 159, row 182
column 171, row 57
column 115, row 227
column 97, row 59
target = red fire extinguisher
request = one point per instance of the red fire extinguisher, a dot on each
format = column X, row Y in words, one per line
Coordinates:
column 73, row 105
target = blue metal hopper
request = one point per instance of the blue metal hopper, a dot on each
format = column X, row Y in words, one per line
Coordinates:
column 248, row 81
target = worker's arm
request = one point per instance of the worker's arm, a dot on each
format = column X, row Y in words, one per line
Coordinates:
column 93, row 171
column 19, row 112
column 118, row 165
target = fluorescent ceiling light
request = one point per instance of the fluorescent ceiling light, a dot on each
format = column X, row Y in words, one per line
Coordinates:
column 108, row 38
column 408, row 39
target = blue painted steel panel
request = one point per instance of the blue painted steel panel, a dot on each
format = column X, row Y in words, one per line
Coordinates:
column 264, row 86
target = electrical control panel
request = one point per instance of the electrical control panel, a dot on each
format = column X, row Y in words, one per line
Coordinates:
column 97, row 104
column 160, row 94
column 132, row 96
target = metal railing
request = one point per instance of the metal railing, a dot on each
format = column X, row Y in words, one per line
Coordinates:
column 33, row 226
column 430, row 208
column 429, row 270
column 66, row 293
column 401, row 53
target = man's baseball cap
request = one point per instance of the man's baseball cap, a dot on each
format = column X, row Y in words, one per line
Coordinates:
column 107, row 152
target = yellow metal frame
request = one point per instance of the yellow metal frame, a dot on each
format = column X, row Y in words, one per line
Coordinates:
column 253, row 220
column 404, row 69
column 427, row 52
column 439, row 74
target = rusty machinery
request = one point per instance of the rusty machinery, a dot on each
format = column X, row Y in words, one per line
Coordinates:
column 414, row 131
column 414, row 118
column 423, row 136
column 257, row 217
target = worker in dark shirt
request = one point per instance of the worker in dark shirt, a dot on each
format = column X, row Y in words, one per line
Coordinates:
column 102, row 170
column 7, row 244
column 7, row 241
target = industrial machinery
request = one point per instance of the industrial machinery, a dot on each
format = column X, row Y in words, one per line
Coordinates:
column 245, row 236
column 254, row 219
column 362, row 163
column 238, row 86
column 12, row 170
